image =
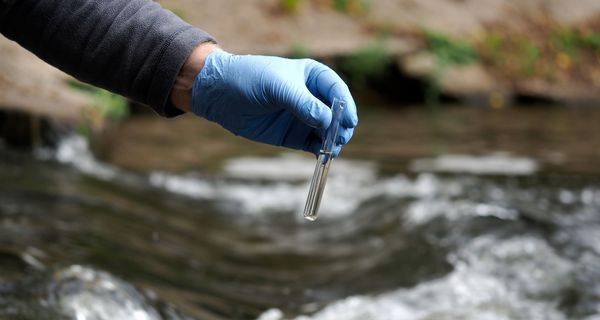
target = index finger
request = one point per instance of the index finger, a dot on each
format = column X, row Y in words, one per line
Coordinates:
column 329, row 85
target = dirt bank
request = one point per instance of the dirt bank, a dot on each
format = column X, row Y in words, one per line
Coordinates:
column 324, row 29
column 30, row 85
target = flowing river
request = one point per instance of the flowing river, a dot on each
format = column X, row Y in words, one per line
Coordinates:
column 488, row 215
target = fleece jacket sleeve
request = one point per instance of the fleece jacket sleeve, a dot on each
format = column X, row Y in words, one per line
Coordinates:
column 131, row 47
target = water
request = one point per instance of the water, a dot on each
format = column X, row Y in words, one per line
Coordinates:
column 455, row 236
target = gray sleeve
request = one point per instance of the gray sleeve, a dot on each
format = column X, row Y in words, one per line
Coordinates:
column 131, row 47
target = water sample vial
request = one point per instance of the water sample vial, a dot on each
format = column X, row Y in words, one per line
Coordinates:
column 317, row 184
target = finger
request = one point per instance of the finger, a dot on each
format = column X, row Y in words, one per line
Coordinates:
column 344, row 135
column 321, row 132
column 350, row 117
column 323, row 81
column 314, row 146
column 306, row 107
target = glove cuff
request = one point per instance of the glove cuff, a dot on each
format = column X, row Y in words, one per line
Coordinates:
column 206, row 86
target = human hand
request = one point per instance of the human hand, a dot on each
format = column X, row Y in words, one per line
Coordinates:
column 273, row 100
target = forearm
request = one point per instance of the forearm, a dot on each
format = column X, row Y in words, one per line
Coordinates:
column 181, row 94
column 131, row 47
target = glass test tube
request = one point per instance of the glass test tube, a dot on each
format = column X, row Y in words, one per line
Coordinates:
column 317, row 184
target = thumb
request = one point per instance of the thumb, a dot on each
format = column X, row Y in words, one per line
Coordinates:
column 310, row 110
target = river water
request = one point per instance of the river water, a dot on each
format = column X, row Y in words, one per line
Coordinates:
column 468, row 215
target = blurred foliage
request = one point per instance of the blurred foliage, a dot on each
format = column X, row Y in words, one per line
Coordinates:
column 352, row 6
column 492, row 46
column 593, row 41
column 298, row 50
column 105, row 104
column 290, row 6
column 530, row 54
column 513, row 54
column 355, row 7
column 450, row 51
column 447, row 52
column 369, row 61
column 548, row 51
column 572, row 41
column 566, row 40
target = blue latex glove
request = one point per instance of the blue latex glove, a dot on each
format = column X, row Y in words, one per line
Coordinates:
column 273, row 100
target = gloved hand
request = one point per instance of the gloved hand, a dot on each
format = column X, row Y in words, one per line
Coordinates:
column 272, row 100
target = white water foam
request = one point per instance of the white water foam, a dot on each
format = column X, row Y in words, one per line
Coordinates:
column 349, row 185
column 287, row 167
column 74, row 150
column 84, row 293
column 253, row 185
column 516, row 278
column 280, row 184
column 494, row 164
column 423, row 211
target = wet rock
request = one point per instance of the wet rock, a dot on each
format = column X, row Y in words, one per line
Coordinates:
column 84, row 293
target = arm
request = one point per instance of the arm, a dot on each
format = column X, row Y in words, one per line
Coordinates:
column 181, row 94
column 131, row 47
column 137, row 49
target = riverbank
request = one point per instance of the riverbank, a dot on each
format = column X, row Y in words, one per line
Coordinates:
column 493, row 53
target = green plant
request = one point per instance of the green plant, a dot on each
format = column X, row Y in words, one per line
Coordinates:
column 107, row 104
column 352, row 6
column 369, row 61
column 341, row 5
column 298, row 50
column 493, row 44
column 593, row 40
column 566, row 40
column 290, row 6
column 110, row 105
column 449, row 51
column 529, row 55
